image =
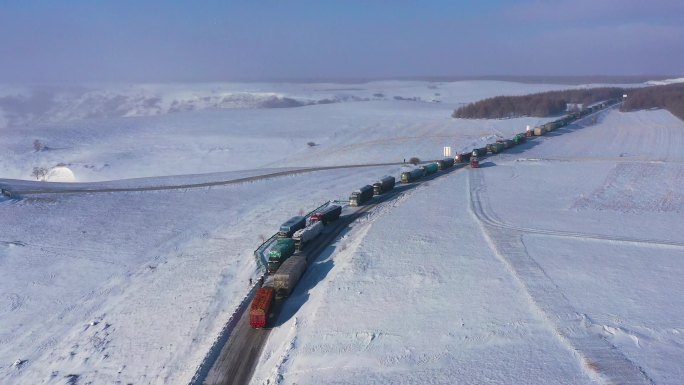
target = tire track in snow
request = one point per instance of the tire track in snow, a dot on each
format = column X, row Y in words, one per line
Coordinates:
column 598, row 356
column 484, row 213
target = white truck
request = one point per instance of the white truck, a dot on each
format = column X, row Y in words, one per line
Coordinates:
column 302, row 236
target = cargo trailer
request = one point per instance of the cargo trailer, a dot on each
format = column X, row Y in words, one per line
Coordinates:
column 445, row 163
column 327, row 214
column 411, row 176
column 302, row 236
column 480, row 152
column 287, row 276
column 260, row 307
column 383, row 185
column 462, row 157
column 361, row 195
column 293, row 224
column 430, row 168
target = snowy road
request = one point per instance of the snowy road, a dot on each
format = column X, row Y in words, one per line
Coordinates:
column 49, row 188
column 239, row 357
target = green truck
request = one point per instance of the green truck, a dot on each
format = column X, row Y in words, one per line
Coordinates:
column 430, row 168
column 283, row 249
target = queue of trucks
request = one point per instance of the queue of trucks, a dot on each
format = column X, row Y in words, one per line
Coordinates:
column 286, row 266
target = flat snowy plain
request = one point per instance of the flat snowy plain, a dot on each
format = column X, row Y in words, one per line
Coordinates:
column 133, row 287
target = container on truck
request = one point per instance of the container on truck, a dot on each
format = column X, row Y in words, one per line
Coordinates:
column 293, row 224
column 302, row 236
column 445, row 163
column 260, row 307
column 360, row 196
column 495, row 148
column 383, row 185
column 430, row 168
column 462, row 157
column 326, row 214
column 480, row 152
column 411, row 176
column 287, row 276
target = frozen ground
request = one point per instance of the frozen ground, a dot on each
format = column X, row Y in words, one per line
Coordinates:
column 572, row 281
column 357, row 128
column 133, row 287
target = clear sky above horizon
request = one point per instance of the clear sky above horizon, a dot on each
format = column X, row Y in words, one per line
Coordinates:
column 72, row 41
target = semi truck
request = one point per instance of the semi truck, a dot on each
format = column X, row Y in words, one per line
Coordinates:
column 293, row 224
column 303, row 236
column 411, row 176
column 260, row 307
column 462, row 157
column 283, row 249
column 430, row 168
column 384, row 185
column 361, row 195
column 480, row 152
column 327, row 214
column 445, row 163
column 287, row 276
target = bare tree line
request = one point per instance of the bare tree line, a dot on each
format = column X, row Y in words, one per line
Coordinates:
column 541, row 104
column 669, row 97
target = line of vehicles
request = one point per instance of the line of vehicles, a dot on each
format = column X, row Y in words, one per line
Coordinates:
column 285, row 263
column 286, row 266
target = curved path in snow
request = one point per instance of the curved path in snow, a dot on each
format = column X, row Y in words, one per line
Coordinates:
column 599, row 357
column 483, row 212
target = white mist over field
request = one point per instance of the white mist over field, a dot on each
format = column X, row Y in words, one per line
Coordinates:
column 559, row 251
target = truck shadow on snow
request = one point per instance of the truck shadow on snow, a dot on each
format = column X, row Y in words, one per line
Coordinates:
column 316, row 273
column 321, row 263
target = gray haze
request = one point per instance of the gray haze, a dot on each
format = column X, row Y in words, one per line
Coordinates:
column 86, row 41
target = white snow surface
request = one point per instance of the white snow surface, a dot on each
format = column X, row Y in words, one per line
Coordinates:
column 147, row 141
column 133, row 287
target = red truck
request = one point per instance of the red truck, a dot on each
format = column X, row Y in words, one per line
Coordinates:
column 259, row 309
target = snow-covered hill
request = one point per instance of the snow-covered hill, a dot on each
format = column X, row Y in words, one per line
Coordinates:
column 133, row 287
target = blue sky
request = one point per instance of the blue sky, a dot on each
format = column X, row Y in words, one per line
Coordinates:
column 77, row 41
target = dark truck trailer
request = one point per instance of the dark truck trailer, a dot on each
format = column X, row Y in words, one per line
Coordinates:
column 411, row 176
column 260, row 307
column 495, row 148
column 287, row 276
column 384, row 185
column 430, row 168
column 327, row 214
column 445, row 163
column 479, row 152
column 361, row 195
column 463, row 157
column 293, row 224
column 283, row 249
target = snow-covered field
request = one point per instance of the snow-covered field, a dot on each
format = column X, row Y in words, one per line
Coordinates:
column 132, row 287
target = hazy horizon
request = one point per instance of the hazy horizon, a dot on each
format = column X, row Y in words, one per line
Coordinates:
column 155, row 41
